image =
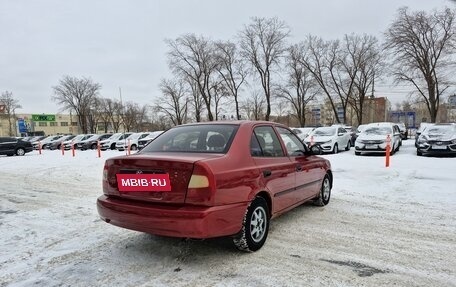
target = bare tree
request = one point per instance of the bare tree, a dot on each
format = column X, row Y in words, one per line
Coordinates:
column 300, row 87
column 10, row 104
column 232, row 70
column 134, row 116
column 197, row 102
column 174, row 103
column 367, row 59
column 321, row 59
column 194, row 58
column 262, row 43
column 77, row 95
column 111, row 113
column 253, row 107
column 422, row 45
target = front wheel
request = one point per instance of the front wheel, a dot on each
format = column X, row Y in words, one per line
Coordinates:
column 347, row 148
column 255, row 226
column 335, row 149
column 325, row 192
column 20, row 151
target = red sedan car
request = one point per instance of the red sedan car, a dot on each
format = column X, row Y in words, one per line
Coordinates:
column 214, row 179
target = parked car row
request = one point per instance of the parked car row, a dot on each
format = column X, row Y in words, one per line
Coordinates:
column 119, row 141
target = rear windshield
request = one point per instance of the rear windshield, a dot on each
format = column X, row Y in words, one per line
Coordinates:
column 196, row 138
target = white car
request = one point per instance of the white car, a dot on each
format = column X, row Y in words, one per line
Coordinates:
column 110, row 143
column 132, row 140
column 374, row 137
column 146, row 140
column 330, row 139
column 302, row 133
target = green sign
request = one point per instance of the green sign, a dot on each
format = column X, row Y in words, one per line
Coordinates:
column 43, row 118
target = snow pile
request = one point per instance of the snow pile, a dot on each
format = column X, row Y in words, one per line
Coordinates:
column 383, row 226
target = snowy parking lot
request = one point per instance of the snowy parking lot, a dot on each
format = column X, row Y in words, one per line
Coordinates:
column 383, row 227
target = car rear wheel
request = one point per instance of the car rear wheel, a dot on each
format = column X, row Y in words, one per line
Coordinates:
column 325, row 192
column 20, row 151
column 255, row 226
column 357, row 153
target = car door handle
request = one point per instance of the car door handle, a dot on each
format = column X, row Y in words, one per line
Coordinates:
column 267, row 173
column 298, row 168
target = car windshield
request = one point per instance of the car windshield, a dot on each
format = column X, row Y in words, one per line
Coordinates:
column 134, row 136
column 204, row 138
column 440, row 130
column 378, row 130
column 114, row 136
column 124, row 136
column 324, row 131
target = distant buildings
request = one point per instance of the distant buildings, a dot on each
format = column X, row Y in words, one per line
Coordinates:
column 45, row 123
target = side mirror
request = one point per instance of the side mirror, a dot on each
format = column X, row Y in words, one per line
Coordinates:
column 316, row 150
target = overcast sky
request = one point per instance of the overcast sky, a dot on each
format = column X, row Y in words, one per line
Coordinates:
column 121, row 43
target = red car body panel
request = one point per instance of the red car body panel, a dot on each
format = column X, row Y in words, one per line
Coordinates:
column 235, row 179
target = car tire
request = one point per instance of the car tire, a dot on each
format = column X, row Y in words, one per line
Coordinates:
column 325, row 192
column 347, row 148
column 133, row 147
column 255, row 226
column 418, row 152
column 335, row 149
column 113, row 146
column 93, row 146
column 357, row 153
column 20, row 151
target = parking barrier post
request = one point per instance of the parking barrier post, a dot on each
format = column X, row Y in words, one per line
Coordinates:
column 62, row 147
column 39, row 147
column 98, row 148
column 311, row 140
column 387, row 151
column 72, row 149
column 128, row 148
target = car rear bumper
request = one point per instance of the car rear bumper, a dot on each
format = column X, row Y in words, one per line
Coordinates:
column 173, row 221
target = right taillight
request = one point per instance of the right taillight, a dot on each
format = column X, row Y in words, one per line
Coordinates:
column 198, row 181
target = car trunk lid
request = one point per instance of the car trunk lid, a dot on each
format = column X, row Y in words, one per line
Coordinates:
column 179, row 167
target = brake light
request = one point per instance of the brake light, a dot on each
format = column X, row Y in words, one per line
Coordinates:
column 198, row 181
column 201, row 187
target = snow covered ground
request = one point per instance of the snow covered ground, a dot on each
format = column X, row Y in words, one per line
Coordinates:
column 383, row 227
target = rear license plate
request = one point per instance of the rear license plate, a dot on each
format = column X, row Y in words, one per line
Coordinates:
column 143, row 182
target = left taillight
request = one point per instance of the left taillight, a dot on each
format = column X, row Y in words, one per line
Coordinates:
column 105, row 173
